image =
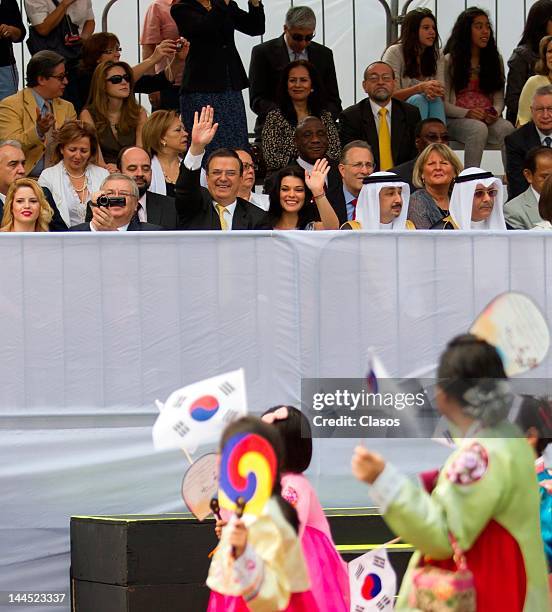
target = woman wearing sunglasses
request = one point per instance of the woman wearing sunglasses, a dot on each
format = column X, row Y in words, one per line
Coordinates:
column 476, row 202
column 113, row 111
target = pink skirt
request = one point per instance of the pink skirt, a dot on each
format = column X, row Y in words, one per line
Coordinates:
column 327, row 572
column 299, row 602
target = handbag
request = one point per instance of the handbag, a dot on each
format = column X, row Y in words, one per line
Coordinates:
column 439, row 590
column 63, row 39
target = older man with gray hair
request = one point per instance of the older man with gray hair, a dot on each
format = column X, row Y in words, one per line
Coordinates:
column 114, row 208
column 536, row 133
column 269, row 59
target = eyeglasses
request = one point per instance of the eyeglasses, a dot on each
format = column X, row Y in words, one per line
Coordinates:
column 248, row 166
column 118, row 78
column 361, row 165
column 542, row 109
column 374, row 78
column 60, row 77
column 114, row 50
column 480, row 193
column 432, row 137
column 301, row 38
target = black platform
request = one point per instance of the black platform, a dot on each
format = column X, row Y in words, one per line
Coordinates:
column 135, row 563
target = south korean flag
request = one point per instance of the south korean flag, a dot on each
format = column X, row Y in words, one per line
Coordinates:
column 197, row 414
column 373, row 582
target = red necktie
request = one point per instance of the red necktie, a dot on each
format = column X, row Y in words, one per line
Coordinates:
column 353, row 204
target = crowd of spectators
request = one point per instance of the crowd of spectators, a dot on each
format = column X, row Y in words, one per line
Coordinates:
column 385, row 162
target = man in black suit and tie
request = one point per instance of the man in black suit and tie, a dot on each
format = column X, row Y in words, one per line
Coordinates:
column 387, row 124
column 269, row 59
column 12, row 167
column 536, row 133
column 152, row 207
column 218, row 207
column 116, row 217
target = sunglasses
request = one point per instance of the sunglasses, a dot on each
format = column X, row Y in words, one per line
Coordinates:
column 480, row 193
column 60, row 77
column 301, row 38
column 118, row 78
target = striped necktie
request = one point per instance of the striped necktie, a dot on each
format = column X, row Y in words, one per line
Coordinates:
column 223, row 223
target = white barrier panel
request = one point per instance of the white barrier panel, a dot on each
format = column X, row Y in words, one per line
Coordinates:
column 95, row 327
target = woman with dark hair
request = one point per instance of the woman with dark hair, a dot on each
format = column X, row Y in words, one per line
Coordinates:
column 484, row 508
column 113, row 111
column 300, row 95
column 419, row 65
column 258, row 564
column 521, row 64
column 474, row 78
column 292, row 195
column 105, row 47
column 541, row 78
column 75, row 176
column 214, row 74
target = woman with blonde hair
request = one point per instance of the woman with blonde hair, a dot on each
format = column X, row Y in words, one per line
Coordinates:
column 75, row 176
column 165, row 139
column 113, row 111
column 542, row 77
column 434, row 172
column 26, row 208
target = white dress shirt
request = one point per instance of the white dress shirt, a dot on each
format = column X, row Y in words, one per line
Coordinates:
column 376, row 109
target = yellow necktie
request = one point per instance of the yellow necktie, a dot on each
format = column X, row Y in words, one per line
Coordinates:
column 386, row 157
column 221, row 210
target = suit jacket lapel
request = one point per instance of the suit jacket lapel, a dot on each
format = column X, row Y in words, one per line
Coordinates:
column 239, row 220
column 396, row 129
column 29, row 104
column 153, row 210
column 370, row 127
column 283, row 55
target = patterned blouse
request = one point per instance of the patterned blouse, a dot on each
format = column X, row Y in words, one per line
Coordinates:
column 279, row 139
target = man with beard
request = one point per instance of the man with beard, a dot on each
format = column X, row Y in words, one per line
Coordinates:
column 152, row 207
column 387, row 124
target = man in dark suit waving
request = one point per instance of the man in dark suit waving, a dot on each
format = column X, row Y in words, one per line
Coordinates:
column 217, row 207
column 385, row 123
column 269, row 59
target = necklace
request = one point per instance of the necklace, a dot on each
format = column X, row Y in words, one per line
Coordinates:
column 75, row 177
column 171, row 175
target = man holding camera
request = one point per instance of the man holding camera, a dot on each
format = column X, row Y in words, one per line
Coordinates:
column 114, row 208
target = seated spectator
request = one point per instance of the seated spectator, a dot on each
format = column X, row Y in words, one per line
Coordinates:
column 218, row 206
column 25, row 209
column 12, row 31
column 300, row 95
column 45, row 16
column 112, row 109
column 382, row 204
column 476, row 203
column 155, row 208
column 247, row 185
column 545, row 207
column 12, row 167
column 474, row 78
column 434, row 173
column 521, row 64
column 159, row 26
column 418, row 64
column 355, row 164
column 75, row 177
column 536, row 133
column 541, row 78
column 116, row 217
column 165, row 140
column 523, row 211
column 105, row 47
column 427, row 131
column 269, row 59
column 298, row 200
column 385, row 123
column 33, row 114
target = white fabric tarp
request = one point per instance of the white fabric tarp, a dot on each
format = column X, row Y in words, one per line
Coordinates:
column 95, row 327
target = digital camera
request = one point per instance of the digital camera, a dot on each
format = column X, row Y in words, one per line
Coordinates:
column 109, row 201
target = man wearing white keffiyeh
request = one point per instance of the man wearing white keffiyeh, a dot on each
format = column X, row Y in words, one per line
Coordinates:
column 382, row 204
column 476, row 202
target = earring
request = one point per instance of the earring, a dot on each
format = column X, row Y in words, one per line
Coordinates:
column 163, row 143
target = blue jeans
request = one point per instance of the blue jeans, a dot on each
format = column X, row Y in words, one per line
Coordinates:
column 429, row 108
column 9, row 81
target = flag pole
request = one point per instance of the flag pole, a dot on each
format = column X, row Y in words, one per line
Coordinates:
column 188, row 456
